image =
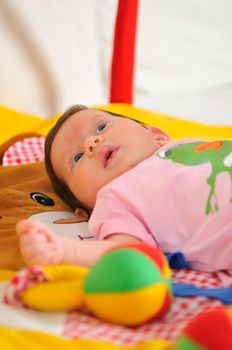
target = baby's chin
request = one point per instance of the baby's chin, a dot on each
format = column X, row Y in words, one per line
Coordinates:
column 121, row 169
column 128, row 165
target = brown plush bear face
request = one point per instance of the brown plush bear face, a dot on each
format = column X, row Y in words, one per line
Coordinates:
column 26, row 193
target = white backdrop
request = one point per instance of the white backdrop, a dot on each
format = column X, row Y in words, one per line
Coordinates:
column 49, row 55
column 55, row 53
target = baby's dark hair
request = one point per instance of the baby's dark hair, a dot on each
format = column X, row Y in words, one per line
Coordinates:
column 58, row 185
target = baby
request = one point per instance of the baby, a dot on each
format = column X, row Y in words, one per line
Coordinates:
column 137, row 185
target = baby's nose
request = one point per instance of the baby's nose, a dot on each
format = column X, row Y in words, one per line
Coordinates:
column 91, row 142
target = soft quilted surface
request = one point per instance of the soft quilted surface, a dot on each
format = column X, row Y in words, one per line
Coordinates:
column 81, row 324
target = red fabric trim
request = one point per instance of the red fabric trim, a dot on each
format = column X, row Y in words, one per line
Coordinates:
column 122, row 67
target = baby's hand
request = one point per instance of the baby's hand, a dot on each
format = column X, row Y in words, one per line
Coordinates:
column 38, row 244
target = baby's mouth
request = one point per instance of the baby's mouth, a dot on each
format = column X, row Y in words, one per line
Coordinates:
column 107, row 154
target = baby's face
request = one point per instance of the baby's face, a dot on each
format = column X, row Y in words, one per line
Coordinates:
column 94, row 147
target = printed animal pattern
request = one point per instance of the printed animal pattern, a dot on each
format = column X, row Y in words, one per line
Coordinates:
column 218, row 154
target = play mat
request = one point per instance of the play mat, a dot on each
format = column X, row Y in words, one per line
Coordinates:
column 26, row 193
column 199, row 320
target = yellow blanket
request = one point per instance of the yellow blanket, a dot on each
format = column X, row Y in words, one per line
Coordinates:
column 14, row 123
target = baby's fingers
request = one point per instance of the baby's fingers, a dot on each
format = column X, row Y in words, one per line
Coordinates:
column 26, row 227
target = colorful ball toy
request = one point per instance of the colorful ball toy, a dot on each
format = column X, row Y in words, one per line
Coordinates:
column 209, row 330
column 129, row 285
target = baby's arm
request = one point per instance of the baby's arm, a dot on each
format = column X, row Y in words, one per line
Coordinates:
column 87, row 253
column 40, row 245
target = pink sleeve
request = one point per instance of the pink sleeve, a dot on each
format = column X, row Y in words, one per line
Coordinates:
column 112, row 216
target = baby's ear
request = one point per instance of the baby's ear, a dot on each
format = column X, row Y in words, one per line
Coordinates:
column 161, row 137
column 82, row 214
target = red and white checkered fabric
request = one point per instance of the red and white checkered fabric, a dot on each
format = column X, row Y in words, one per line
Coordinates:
column 83, row 325
column 29, row 150
column 23, row 280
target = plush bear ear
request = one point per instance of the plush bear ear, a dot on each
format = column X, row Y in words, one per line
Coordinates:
column 7, row 144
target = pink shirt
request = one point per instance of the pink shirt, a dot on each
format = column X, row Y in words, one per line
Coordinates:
column 165, row 201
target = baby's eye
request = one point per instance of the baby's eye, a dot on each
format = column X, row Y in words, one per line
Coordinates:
column 100, row 127
column 77, row 157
